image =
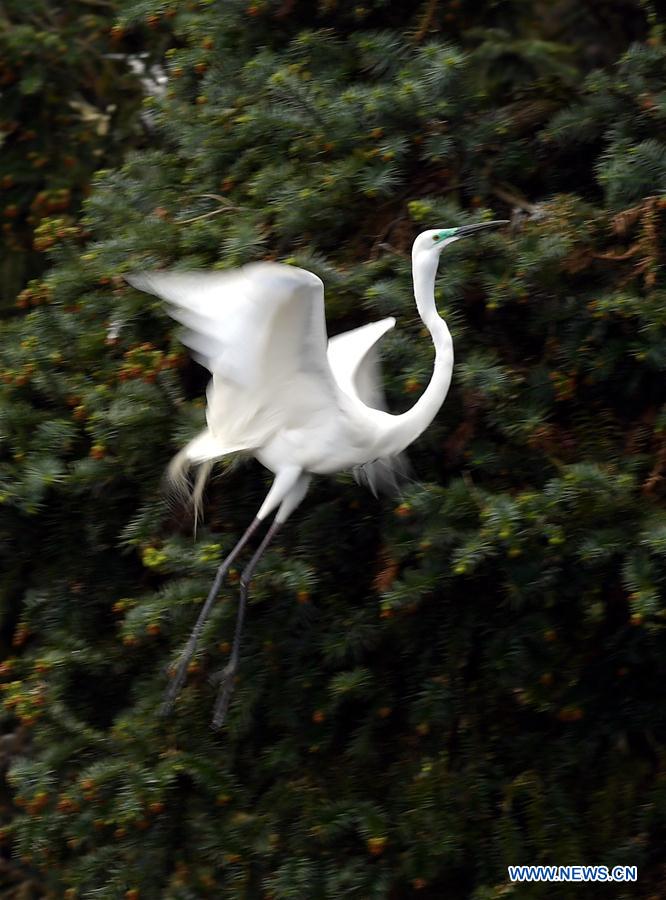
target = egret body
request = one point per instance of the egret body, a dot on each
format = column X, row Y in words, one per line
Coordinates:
column 303, row 405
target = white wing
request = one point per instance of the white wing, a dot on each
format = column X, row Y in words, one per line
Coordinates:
column 249, row 326
column 355, row 363
column 259, row 330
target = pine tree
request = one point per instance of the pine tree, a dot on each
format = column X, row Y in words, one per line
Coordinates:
column 70, row 96
column 433, row 687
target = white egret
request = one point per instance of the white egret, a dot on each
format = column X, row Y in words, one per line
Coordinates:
column 302, row 405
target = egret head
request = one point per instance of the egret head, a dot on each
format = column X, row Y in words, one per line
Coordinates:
column 432, row 242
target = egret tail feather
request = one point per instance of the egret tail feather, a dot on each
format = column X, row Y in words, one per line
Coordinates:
column 180, row 487
column 202, row 476
column 384, row 476
column 200, row 453
column 177, row 475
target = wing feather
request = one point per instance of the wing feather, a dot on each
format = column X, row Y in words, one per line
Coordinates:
column 257, row 329
column 252, row 326
column 355, row 363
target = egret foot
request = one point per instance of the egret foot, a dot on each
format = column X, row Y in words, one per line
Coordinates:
column 229, row 672
column 228, row 679
column 181, row 670
column 179, row 677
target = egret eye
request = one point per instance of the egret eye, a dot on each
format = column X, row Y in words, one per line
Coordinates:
column 435, row 237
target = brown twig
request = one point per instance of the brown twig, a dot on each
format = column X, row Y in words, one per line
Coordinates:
column 514, row 200
column 227, row 207
column 426, row 21
column 285, row 9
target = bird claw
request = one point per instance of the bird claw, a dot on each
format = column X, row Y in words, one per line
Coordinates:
column 218, row 676
column 169, row 700
column 228, row 678
column 166, row 707
column 179, row 672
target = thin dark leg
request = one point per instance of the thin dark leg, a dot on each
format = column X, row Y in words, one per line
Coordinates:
column 181, row 672
column 229, row 671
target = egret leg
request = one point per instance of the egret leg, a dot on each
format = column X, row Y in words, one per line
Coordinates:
column 292, row 496
column 230, row 670
column 186, row 656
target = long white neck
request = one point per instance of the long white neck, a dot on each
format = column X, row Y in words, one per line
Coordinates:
column 409, row 425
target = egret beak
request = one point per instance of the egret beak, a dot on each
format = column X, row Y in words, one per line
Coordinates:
column 464, row 230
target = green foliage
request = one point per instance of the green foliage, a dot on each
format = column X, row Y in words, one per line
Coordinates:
column 431, row 689
column 70, row 98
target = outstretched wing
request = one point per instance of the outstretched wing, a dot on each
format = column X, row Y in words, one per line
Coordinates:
column 252, row 327
column 355, row 363
column 261, row 331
